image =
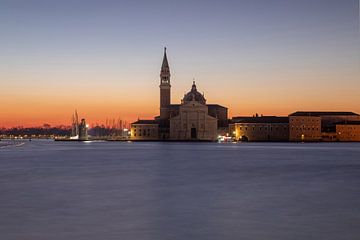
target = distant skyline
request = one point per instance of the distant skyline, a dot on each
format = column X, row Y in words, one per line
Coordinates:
column 103, row 58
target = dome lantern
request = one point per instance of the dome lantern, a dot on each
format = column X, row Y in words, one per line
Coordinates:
column 194, row 95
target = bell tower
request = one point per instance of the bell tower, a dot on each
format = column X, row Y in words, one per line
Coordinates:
column 165, row 88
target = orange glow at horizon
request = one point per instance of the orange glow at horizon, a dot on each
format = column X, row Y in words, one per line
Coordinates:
column 32, row 99
column 33, row 111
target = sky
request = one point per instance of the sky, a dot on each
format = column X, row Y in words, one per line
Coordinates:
column 103, row 57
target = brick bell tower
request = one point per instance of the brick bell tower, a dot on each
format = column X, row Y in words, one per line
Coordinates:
column 165, row 88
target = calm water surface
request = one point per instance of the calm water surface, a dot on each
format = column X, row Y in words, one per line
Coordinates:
column 117, row 190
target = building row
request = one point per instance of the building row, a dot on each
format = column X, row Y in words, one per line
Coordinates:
column 193, row 119
column 298, row 127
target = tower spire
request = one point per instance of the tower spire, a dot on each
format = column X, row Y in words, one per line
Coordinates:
column 165, row 88
column 165, row 70
column 165, row 63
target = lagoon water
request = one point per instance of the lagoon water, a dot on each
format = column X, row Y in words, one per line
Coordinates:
column 120, row 190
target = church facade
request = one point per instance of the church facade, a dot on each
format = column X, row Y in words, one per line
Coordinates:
column 191, row 120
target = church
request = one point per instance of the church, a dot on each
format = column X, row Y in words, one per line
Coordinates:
column 191, row 120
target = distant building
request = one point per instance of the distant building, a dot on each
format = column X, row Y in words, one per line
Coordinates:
column 79, row 130
column 264, row 128
column 193, row 119
column 328, row 137
column 145, row 130
column 348, row 131
column 83, row 130
column 304, row 128
column 317, row 126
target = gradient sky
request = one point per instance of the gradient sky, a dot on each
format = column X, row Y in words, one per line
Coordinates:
column 103, row 57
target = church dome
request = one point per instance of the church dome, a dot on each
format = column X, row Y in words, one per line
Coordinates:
column 194, row 95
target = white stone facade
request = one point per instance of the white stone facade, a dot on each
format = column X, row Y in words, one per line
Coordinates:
column 193, row 123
